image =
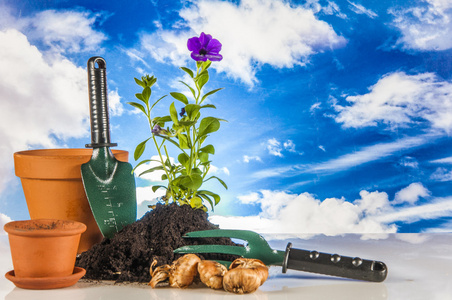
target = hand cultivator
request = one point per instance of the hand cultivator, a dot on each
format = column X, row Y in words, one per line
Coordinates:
column 296, row 259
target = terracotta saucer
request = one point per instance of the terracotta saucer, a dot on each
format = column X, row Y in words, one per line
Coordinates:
column 45, row 283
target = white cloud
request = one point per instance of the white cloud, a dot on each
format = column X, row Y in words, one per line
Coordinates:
column 216, row 170
column 40, row 89
column 114, row 103
column 411, row 193
column 367, row 154
column 425, row 27
column 322, row 148
column 441, row 174
column 409, row 162
column 145, row 194
column 249, row 198
column 302, row 214
column 247, row 158
column 289, row 145
column 437, row 208
column 400, row 100
column 350, row 160
column 253, row 33
column 361, row 10
column 65, row 31
column 331, row 8
column 445, row 160
column 274, row 147
column 315, row 106
column 39, row 100
column 3, row 220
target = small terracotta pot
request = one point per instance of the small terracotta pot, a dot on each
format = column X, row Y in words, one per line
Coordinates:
column 44, row 248
column 53, row 187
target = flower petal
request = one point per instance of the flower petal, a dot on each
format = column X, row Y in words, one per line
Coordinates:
column 193, row 44
column 204, row 39
column 198, row 57
column 214, row 46
column 214, row 57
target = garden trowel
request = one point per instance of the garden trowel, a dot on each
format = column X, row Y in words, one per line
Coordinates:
column 109, row 183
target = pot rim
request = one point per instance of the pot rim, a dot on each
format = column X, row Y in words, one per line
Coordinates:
column 58, row 163
column 61, row 152
column 44, row 228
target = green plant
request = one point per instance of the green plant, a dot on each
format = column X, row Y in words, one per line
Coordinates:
column 187, row 131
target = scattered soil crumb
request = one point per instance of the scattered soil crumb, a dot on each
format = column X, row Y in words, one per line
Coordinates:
column 128, row 255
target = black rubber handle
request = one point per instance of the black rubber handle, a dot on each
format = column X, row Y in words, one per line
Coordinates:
column 98, row 105
column 334, row 264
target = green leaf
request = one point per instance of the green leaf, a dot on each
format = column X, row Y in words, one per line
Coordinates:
column 193, row 181
column 140, row 149
column 139, row 106
column 140, row 163
column 161, row 120
column 195, row 202
column 206, row 65
column 179, row 96
column 213, row 195
column 156, row 187
column 164, row 177
column 208, row 125
column 158, row 168
column 205, row 197
column 203, row 157
column 183, row 141
column 184, row 159
column 168, row 163
column 157, row 101
column 191, row 89
column 208, row 149
column 210, row 93
column 196, row 171
column 202, row 80
column 209, row 106
column 221, row 181
column 173, row 114
column 140, row 83
column 188, row 71
column 152, row 81
column 187, row 123
column 139, row 97
column 192, row 110
column 146, row 94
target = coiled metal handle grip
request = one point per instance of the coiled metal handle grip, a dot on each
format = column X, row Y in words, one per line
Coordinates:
column 334, row 264
column 98, row 105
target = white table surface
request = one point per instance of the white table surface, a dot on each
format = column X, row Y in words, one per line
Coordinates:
column 420, row 267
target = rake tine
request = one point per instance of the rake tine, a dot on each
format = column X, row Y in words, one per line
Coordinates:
column 230, row 233
column 251, row 237
column 234, row 250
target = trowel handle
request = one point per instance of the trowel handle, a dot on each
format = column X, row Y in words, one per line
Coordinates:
column 334, row 264
column 98, row 105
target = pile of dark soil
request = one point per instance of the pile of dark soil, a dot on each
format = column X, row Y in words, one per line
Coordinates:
column 128, row 255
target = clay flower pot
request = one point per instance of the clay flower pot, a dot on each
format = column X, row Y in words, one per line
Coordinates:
column 43, row 251
column 53, row 187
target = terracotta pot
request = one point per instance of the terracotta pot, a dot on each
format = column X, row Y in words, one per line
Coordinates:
column 44, row 248
column 53, row 187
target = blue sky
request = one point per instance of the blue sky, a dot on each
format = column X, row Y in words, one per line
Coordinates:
column 339, row 112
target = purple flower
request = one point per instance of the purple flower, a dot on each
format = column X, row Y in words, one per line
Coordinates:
column 157, row 130
column 204, row 48
column 182, row 111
